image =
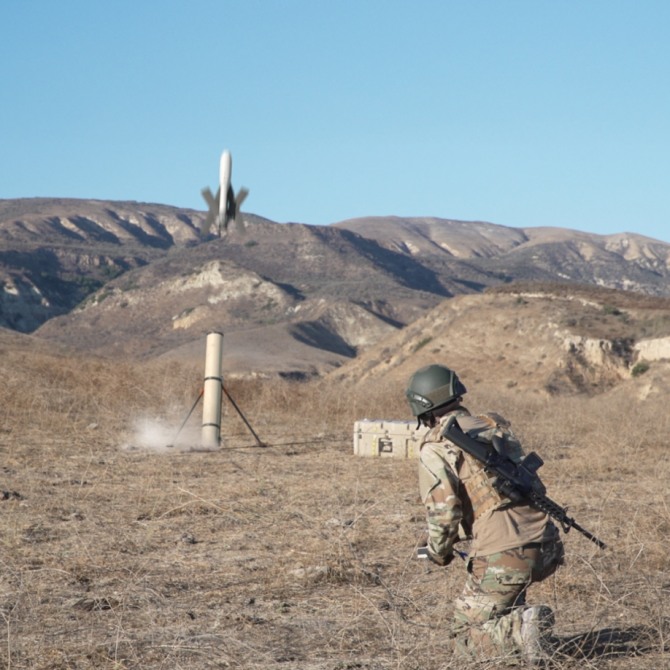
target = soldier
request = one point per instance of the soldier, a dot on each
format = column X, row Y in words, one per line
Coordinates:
column 512, row 545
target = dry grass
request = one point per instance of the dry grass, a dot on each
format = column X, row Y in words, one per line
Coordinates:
column 297, row 555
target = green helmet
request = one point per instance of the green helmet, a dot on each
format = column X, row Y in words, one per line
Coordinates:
column 432, row 387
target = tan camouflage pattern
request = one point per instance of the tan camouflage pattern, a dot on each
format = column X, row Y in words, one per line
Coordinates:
column 439, row 491
column 487, row 615
column 447, row 477
column 479, row 483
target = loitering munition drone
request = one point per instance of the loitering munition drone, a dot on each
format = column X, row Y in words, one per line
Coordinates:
column 224, row 207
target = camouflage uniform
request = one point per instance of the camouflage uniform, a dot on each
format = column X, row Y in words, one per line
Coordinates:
column 512, row 545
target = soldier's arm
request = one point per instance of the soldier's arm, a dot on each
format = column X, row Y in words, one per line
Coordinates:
column 438, row 485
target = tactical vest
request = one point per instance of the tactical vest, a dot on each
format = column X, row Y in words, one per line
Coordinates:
column 483, row 496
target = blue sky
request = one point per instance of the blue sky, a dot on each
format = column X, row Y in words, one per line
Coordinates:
column 518, row 112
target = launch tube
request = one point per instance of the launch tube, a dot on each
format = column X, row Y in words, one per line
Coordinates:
column 211, row 412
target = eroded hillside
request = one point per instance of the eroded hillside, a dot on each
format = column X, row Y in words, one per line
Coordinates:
column 544, row 338
column 136, row 279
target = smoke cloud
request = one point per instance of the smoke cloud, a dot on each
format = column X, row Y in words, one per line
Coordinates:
column 160, row 436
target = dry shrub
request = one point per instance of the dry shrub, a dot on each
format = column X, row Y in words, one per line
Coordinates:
column 299, row 554
column 41, row 391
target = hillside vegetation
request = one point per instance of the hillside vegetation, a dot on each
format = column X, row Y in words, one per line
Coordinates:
column 138, row 280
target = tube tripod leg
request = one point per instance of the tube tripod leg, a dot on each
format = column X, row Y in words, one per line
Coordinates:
column 195, row 404
column 239, row 411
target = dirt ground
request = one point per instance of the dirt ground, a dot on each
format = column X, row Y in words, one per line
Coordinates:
column 118, row 553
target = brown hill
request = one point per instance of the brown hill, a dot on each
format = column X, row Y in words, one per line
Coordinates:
column 624, row 260
column 56, row 252
column 28, row 222
column 322, row 292
column 135, row 279
column 544, row 339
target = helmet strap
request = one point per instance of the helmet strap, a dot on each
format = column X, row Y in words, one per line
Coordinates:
column 426, row 419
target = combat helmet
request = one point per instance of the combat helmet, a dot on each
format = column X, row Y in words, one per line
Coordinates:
column 432, row 387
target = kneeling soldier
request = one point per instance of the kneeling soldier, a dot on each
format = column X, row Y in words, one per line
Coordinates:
column 512, row 543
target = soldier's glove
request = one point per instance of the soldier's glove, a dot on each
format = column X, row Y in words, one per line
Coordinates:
column 442, row 561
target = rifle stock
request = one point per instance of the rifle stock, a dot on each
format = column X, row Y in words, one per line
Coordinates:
column 517, row 481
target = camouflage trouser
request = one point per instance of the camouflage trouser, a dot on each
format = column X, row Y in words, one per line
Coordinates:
column 487, row 616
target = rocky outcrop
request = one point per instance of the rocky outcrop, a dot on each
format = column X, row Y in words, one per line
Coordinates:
column 654, row 349
column 23, row 307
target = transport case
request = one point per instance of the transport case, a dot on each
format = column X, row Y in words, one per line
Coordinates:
column 387, row 439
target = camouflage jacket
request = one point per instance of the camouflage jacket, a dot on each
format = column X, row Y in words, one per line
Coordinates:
column 460, row 499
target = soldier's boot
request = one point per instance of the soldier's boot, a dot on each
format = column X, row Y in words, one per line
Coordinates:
column 537, row 623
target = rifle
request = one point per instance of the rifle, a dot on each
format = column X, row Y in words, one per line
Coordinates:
column 517, row 481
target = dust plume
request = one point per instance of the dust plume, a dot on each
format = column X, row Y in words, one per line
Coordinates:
column 161, row 436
